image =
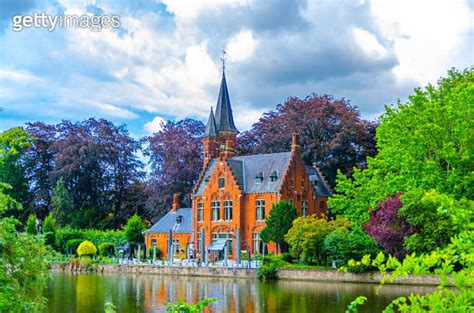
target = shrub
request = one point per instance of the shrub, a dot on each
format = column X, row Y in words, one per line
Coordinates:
column 63, row 235
column 158, row 253
column 364, row 265
column 387, row 228
column 49, row 230
column 342, row 245
column 133, row 230
column 31, row 227
column 23, row 269
column 307, row 235
column 436, row 217
column 71, row 245
column 106, row 249
column 287, row 257
column 267, row 272
column 86, row 248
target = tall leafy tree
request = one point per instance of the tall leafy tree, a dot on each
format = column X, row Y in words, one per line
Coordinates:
column 387, row 228
column 176, row 160
column 31, row 228
column 40, row 164
column 98, row 163
column 13, row 146
column 134, row 230
column 306, row 236
column 49, row 230
column 332, row 133
column 425, row 144
column 278, row 222
column 61, row 203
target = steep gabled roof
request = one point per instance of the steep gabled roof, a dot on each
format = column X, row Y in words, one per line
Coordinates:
column 211, row 127
column 168, row 222
column 205, row 177
column 319, row 183
column 224, row 117
column 247, row 168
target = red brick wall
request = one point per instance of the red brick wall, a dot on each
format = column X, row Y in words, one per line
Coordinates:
column 162, row 241
column 295, row 186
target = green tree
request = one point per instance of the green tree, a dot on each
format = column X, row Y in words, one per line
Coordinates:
column 61, row 202
column 23, row 271
column 31, row 228
column 49, row 230
column 425, row 144
column 306, row 236
column 278, row 222
column 134, row 230
column 14, row 143
column 343, row 244
column 437, row 217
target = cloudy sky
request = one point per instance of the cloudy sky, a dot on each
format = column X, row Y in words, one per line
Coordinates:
column 164, row 60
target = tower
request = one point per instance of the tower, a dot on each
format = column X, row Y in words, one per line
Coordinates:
column 220, row 138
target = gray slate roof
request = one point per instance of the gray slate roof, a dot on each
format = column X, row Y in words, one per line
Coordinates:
column 246, row 168
column 318, row 181
column 211, row 128
column 168, row 222
column 224, row 117
column 203, row 183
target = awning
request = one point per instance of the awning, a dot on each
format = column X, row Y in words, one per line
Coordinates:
column 217, row 245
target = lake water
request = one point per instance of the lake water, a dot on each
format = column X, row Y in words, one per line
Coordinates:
column 148, row 293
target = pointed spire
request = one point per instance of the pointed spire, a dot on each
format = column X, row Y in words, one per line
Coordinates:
column 224, row 118
column 211, row 128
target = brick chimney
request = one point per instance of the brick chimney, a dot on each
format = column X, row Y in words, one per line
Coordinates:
column 175, row 202
column 295, row 143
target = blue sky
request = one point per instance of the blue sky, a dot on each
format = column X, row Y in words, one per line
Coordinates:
column 163, row 62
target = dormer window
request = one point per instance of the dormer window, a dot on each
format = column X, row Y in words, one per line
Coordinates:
column 273, row 177
column 259, row 178
column 179, row 219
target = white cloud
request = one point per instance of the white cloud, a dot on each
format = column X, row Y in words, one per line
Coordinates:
column 154, row 126
column 369, row 43
column 426, row 35
column 186, row 10
column 241, row 46
column 18, row 76
column 169, row 64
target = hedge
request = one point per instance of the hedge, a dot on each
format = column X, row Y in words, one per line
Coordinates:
column 97, row 237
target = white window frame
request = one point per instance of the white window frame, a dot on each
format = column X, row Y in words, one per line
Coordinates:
column 216, row 210
column 260, row 210
column 257, row 243
column 228, row 210
column 304, row 208
column 200, row 212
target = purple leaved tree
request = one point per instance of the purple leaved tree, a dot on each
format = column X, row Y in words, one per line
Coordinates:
column 176, row 160
column 387, row 228
column 332, row 133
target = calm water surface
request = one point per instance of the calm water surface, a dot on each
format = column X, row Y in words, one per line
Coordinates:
column 147, row 293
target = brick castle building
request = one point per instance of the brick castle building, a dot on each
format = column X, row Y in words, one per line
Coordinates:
column 234, row 194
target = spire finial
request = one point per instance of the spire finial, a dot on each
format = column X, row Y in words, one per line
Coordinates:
column 223, row 59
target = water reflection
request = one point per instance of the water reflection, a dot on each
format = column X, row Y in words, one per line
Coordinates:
column 148, row 293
